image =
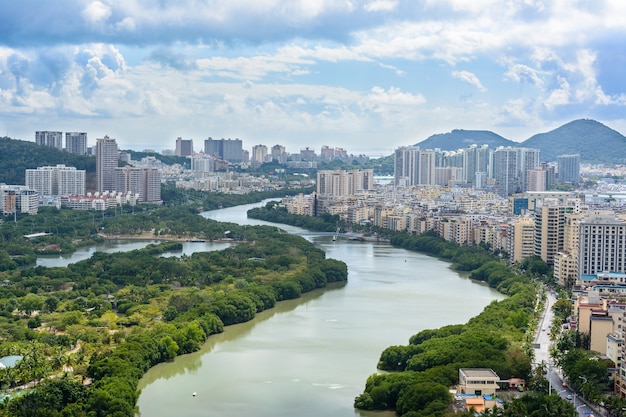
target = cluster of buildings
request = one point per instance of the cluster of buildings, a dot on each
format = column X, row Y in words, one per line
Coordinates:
column 504, row 170
column 575, row 233
column 135, row 182
column 224, row 152
column 75, row 142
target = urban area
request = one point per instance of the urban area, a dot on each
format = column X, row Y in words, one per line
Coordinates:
column 507, row 199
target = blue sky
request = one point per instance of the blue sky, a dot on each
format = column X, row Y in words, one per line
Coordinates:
column 365, row 75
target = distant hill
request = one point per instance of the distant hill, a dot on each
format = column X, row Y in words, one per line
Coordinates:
column 460, row 139
column 594, row 142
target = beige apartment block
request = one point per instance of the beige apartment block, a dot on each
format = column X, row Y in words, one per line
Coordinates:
column 600, row 326
column 479, row 381
column 521, row 239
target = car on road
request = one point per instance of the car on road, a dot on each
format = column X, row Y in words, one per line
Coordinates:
column 569, row 397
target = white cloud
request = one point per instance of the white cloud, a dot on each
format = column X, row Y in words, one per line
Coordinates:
column 394, row 96
column 469, row 78
column 559, row 96
column 524, row 74
column 96, row 12
column 380, row 6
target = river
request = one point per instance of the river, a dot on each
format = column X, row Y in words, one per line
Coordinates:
column 312, row 356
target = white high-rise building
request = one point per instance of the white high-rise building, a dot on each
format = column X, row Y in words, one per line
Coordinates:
column 413, row 166
column 601, row 243
column 107, row 156
column 511, row 166
column 56, row 180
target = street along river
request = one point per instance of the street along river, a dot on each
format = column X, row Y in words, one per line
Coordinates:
column 312, row 356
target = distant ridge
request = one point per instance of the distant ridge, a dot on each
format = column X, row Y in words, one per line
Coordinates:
column 459, row 139
column 595, row 142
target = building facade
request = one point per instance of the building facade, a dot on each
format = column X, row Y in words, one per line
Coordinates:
column 145, row 182
column 18, row 199
column 568, row 167
column 56, row 180
column 230, row 150
column 76, row 142
column 49, row 138
column 107, row 156
column 184, row 147
column 601, row 243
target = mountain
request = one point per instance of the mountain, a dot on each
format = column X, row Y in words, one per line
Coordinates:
column 459, row 139
column 594, row 142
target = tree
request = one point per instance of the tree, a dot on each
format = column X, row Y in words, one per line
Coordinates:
column 31, row 302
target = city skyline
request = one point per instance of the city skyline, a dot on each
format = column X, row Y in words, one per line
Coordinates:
column 367, row 76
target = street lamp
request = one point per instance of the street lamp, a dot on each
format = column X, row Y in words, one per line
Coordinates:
column 584, row 382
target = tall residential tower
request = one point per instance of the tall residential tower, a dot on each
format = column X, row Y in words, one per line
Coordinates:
column 106, row 161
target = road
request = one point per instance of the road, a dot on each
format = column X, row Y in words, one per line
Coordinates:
column 542, row 354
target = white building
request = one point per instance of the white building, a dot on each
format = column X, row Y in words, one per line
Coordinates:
column 56, row 180
column 18, row 199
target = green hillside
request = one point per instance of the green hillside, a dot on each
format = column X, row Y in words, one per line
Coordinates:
column 595, row 142
column 459, row 139
column 18, row 155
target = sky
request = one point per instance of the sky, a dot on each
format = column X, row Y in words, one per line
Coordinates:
column 364, row 75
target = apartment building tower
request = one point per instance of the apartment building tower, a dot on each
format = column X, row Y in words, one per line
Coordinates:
column 601, row 243
column 521, row 239
column 568, row 167
column 76, row 142
column 413, row 166
column 56, row 180
column 230, row 150
column 341, row 183
column 107, row 156
column 50, row 139
column 184, row 147
column 550, row 227
column 143, row 181
column 259, row 154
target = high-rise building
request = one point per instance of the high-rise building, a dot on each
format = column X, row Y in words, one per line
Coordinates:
column 341, row 183
column 143, row 181
column 536, row 180
column 601, row 243
column 107, row 156
column 279, row 154
column 49, row 138
column 230, row 150
column 184, row 147
column 568, row 169
column 56, row 180
column 259, row 153
column 476, row 160
column 521, row 239
column 511, row 166
column 413, row 166
column 550, row 227
column 76, row 142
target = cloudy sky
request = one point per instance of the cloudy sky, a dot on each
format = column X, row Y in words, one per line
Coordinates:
column 365, row 75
